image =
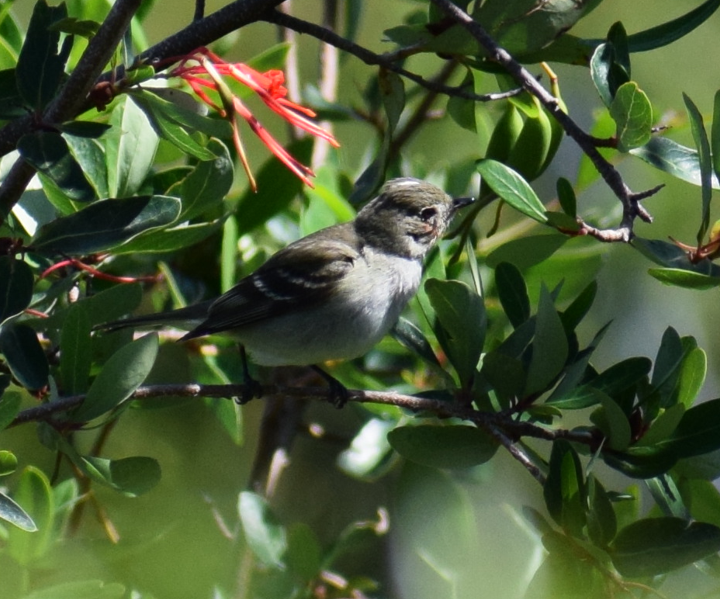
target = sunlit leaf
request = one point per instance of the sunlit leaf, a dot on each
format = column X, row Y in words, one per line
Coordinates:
column 265, row 536
column 512, row 188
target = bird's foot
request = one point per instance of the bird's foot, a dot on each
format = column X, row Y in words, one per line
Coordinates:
column 339, row 393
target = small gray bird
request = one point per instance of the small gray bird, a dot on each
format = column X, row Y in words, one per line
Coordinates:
column 333, row 294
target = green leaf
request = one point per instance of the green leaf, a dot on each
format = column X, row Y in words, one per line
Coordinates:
column 697, row 433
column 84, row 129
column 40, row 68
column 715, row 131
column 16, row 286
column 640, row 462
column 611, row 419
column 264, row 535
column 667, row 365
column 34, row 494
column 692, row 376
column 702, row 143
column 9, row 407
column 527, row 251
column 11, row 512
column 607, row 74
column 75, row 352
column 674, row 159
column 663, row 426
column 24, row 355
column 277, row 187
column 670, row 255
column 601, row 519
column 410, row 336
column 130, row 149
column 632, row 111
column 304, row 553
column 131, row 476
column 580, row 306
column 687, row 279
column 549, row 346
column 112, row 303
column 461, row 314
column 88, row 153
column 667, row 33
column 208, row 183
column 368, row 450
column 168, row 240
column 48, row 153
column 8, row 462
column 512, row 188
column 654, row 546
column 566, row 197
column 105, row 224
column 452, row 447
column 564, row 490
column 122, row 374
column 83, row 589
column 505, row 374
column 512, row 293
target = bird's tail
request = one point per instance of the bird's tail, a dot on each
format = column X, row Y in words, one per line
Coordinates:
column 186, row 318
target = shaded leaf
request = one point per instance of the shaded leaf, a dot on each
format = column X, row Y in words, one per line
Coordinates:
column 16, row 286
column 702, row 143
column 443, row 446
column 263, row 533
column 24, row 355
column 83, row 589
column 407, row 334
column 527, row 251
column 105, row 224
column 549, row 346
column 34, row 494
column 9, row 407
column 168, row 240
column 512, row 292
column 75, row 350
column 122, row 374
column 611, row 419
column 697, row 433
column 131, row 476
column 654, row 546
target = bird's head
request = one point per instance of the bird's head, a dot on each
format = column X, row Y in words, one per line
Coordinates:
column 407, row 217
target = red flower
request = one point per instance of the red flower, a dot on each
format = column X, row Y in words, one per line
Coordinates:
column 205, row 70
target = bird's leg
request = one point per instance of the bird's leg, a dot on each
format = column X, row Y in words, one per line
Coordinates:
column 338, row 392
column 253, row 389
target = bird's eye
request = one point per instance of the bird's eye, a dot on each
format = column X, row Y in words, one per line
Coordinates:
column 428, row 213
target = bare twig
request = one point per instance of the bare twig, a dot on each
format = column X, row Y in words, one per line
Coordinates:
column 387, row 61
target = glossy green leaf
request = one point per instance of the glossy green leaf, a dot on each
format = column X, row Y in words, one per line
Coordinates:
column 277, row 187
column 549, row 347
column 607, row 74
column 674, row 159
column 686, row 279
column 702, row 143
column 16, row 286
column 130, row 149
column 34, row 495
column 40, row 67
column 512, row 292
column 697, row 433
column 667, row 33
column 443, row 446
column 264, row 535
column 48, row 153
column 12, row 513
column 671, row 256
column 461, row 314
column 9, row 407
column 632, row 111
column 667, row 365
column 75, row 352
column 84, row 129
column 122, row 374
column 640, row 462
column 168, row 240
column 208, row 183
column 527, row 251
column 505, row 374
column 131, row 476
column 24, row 355
column 105, row 224
column 88, row 153
column 655, row 546
column 83, row 589
column 512, row 188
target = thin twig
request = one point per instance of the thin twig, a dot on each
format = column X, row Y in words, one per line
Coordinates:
column 630, row 200
column 371, row 58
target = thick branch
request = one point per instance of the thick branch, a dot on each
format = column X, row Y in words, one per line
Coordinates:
column 630, row 201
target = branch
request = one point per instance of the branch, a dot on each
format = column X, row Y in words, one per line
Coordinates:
column 387, row 61
column 630, row 200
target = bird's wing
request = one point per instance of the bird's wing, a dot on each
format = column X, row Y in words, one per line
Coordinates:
column 297, row 277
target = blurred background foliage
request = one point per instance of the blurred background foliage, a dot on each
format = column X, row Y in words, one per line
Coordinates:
column 451, row 533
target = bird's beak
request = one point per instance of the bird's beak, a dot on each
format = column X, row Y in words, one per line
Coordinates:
column 461, row 203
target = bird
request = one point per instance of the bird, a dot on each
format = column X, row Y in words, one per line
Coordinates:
column 330, row 295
